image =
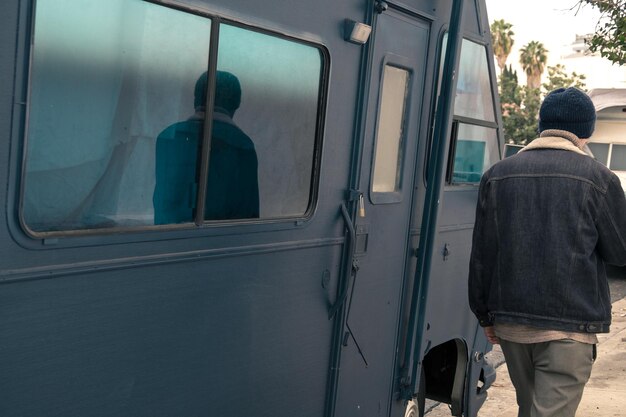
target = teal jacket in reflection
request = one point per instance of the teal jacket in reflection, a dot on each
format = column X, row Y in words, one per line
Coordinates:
column 232, row 190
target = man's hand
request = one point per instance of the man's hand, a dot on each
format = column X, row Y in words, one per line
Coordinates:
column 490, row 332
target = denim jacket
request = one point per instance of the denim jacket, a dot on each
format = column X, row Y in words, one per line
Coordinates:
column 547, row 220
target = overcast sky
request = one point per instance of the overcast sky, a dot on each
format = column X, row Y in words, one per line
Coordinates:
column 554, row 23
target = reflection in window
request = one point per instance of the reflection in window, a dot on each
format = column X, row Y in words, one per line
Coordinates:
column 101, row 90
column 600, row 151
column 476, row 150
column 618, row 158
column 232, row 186
column 280, row 84
column 474, row 98
column 389, row 136
column 117, row 113
column 474, row 145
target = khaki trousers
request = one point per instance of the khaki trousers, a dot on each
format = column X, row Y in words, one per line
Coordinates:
column 548, row 377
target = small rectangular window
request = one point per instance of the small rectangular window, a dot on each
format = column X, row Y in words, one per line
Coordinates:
column 390, row 130
column 476, row 149
column 618, row 158
column 600, row 151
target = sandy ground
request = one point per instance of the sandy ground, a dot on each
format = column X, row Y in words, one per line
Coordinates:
column 605, row 393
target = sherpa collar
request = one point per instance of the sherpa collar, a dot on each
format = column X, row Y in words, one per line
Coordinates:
column 555, row 139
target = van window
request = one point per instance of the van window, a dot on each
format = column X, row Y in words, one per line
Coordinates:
column 116, row 132
column 280, row 94
column 390, row 130
column 474, row 144
column 473, row 154
column 473, row 90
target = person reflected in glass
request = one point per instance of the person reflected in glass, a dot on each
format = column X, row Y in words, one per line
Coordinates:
column 232, row 187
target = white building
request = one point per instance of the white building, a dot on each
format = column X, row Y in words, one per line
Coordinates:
column 608, row 142
column 599, row 72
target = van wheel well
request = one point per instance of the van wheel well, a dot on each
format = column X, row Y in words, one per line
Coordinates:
column 444, row 369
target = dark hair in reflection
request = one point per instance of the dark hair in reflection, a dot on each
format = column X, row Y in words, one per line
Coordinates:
column 227, row 92
column 232, row 183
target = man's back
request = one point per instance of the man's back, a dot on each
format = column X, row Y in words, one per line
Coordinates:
column 548, row 222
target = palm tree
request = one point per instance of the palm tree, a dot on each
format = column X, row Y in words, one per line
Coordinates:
column 533, row 58
column 502, row 40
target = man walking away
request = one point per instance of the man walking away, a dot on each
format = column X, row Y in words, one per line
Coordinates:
column 547, row 221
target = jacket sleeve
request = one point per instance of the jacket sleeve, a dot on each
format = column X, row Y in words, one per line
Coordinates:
column 611, row 224
column 483, row 257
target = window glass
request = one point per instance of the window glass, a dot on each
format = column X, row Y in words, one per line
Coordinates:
column 476, row 150
column 600, row 151
column 116, row 119
column 389, row 136
column 475, row 147
column 510, row 149
column 274, row 123
column 101, row 91
column 618, row 158
column 473, row 90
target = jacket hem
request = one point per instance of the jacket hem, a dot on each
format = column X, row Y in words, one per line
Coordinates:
column 553, row 323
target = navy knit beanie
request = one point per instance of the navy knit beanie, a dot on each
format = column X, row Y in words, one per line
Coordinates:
column 199, row 93
column 568, row 109
column 227, row 91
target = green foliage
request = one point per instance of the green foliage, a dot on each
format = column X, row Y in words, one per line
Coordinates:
column 610, row 36
column 520, row 121
column 509, row 87
column 520, row 104
column 558, row 78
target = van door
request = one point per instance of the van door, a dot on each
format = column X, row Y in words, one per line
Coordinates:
column 400, row 44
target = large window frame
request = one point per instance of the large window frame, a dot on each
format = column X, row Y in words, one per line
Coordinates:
column 461, row 118
column 199, row 223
